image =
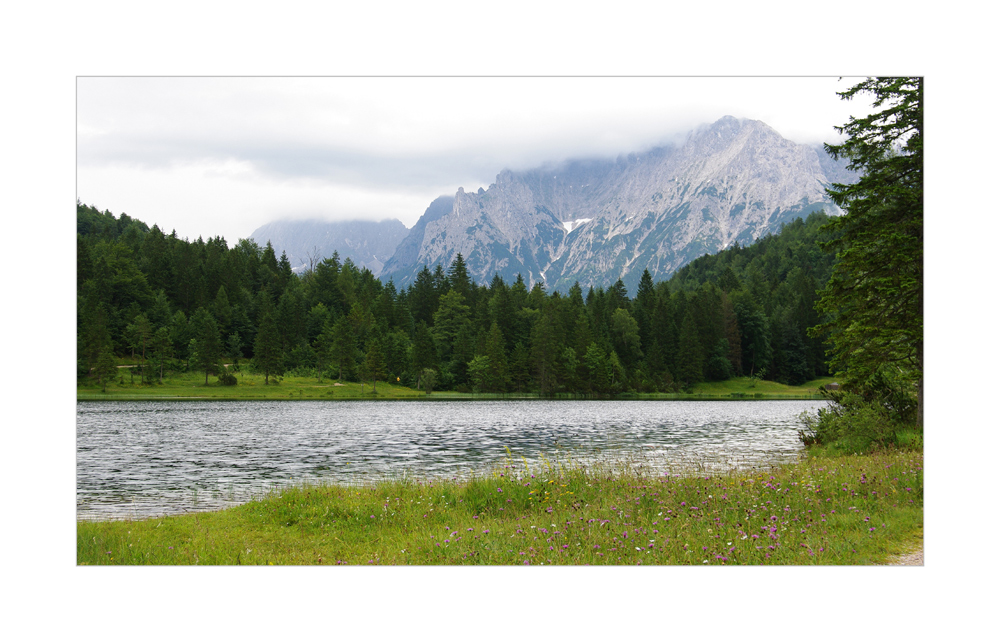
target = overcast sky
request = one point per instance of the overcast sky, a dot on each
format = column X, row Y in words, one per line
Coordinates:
column 209, row 156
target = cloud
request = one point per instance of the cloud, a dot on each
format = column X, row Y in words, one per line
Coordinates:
column 239, row 150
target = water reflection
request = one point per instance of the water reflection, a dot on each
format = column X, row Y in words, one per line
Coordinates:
column 141, row 459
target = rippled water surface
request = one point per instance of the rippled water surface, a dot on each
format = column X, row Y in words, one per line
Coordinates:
column 148, row 458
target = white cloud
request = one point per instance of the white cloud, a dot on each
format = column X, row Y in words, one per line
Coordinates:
column 224, row 155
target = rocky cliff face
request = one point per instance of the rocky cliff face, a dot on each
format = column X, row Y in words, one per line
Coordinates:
column 595, row 221
column 367, row 243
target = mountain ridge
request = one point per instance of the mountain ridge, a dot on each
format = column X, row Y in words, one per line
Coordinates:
column 367, row 243
column 597, row 220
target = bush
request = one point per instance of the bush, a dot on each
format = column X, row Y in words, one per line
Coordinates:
column 227, row 379
column 868, row 414
column 853, row 425
column 889, row 390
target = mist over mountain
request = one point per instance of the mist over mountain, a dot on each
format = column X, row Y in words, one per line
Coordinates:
column 598, row 220
column 367, row 243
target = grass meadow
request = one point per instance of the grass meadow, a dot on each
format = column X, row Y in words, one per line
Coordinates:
column 191, row 385
column 825, row 510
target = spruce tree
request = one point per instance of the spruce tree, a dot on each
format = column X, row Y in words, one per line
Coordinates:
column 875, row 297
column 105, row 369
column 344, row 347
column 267, row 351
column 163, row 348
column 208, row 344
column 690, row 355
column 374, row 364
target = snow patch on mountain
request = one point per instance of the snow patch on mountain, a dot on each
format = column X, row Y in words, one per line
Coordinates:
column 569, row 226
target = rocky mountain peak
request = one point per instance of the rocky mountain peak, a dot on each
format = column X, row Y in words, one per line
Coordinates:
column 598, row 220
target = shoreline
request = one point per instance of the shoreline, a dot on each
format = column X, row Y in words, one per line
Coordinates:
column 825, row 511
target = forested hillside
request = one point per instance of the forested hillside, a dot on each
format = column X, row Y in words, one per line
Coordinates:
column 174, row 304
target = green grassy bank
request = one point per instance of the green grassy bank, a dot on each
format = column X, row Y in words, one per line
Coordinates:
column 825, row 510
column 191, row 385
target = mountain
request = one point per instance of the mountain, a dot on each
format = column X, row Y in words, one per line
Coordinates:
column 367, row 243
column 598, row 220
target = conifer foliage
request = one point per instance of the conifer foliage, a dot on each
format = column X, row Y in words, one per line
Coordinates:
column 192, row 305
column 874, row 299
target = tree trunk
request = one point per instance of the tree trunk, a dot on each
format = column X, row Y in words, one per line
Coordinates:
column 920, row 403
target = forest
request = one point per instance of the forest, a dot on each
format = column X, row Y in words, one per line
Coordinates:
column 169, row 304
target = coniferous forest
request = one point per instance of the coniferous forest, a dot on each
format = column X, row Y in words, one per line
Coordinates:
column 843, row 292
column 171, row 304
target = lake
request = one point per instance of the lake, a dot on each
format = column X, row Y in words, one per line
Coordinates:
column 149, row 458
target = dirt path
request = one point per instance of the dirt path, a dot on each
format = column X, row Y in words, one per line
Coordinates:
column 915, row 558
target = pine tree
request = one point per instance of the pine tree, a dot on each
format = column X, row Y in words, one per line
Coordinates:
column 597, row 367
column 875, row 297
column 163, row 348
column 497, row 356
column 644, row 307
column 343, row 348
column 545, row 348
column 208, row 345
column 105, row 368
column 424, row 352
column 323, row 345
column 458, row 278
column 267, row 346
column 140, row 333
column 374, row 364
column 690, row 356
